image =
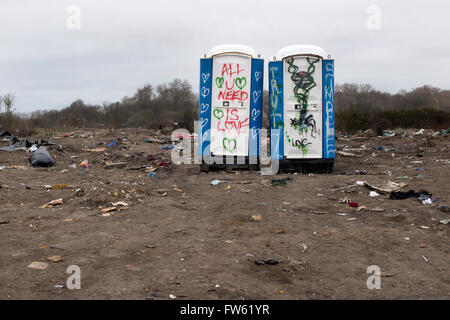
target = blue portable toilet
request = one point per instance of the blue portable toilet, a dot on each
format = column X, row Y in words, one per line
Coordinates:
column 301, row 90
column 230, row 107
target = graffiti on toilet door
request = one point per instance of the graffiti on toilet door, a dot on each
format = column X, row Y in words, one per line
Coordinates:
column 303, row 121
column 231, row 104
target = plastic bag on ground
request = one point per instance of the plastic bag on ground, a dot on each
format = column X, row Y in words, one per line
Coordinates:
column 41, row 158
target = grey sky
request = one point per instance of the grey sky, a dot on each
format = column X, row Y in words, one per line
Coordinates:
column 123, row 45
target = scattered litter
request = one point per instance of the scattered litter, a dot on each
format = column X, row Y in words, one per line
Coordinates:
column 347, row 154
column 256, row 218
column 424, row 258
column 41, row 158
column 388, row 187
column 341, row 214
column 418, row 133
column 85, row 164
column 377, row 209
column 38, row 265
column 271, row 262
column 353, row 204
column 351, row 219
column 152, row 174
column 446, row 221
column 362, row 208
column 172, row 296
column 163, row 164
column 120, row 203
column 278, row 182
column 59, row 186
column 116, row 165
column 167, row 147
column 112, row 144
column 374, row 194
column 216, row 182
column 109, row 209
column 228, row 188
column 55, row 259
column 345, row 200
column 94, row 149
column 52, row 203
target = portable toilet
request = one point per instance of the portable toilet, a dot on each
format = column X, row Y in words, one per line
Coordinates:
column 301, row 90
column 230, row 107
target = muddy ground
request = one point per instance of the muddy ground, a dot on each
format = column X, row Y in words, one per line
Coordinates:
column 181, row 236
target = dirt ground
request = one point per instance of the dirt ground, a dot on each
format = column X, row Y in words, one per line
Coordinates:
column 181, row 236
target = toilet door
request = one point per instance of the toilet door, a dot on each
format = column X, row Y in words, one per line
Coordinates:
column 302, row 79
column 230, row 112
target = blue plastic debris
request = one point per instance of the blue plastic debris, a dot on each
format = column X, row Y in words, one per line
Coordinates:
column 167, row 147
column 112, row 143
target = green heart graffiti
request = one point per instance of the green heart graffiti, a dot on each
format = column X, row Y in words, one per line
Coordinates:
column 218, row 113
column 241, row 82
column 228, row 143
column 219, row 82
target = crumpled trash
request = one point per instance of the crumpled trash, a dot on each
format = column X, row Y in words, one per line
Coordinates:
column 389, row 133
column 151, row 157
column 112, row 143
column 374, row 194
column 167, row 147
column 85, row 164
column 41, row 158
column 52, row 203
column 163, row 164
column 23, row 144
column 278, row 182
column 426, row 198
column 5, row 133
column 422, row 195
column 216, row 182
column 421, row 131
column 152, row 174
column 353, row 204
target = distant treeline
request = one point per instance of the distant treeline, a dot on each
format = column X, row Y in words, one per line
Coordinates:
column 358, row 107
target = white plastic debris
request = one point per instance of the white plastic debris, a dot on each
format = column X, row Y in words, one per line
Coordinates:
column 216, row 182
column 374, row 194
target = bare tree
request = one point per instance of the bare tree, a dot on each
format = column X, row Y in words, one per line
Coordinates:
column 7, row 110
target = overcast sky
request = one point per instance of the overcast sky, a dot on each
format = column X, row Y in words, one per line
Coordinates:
column 123, row 45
